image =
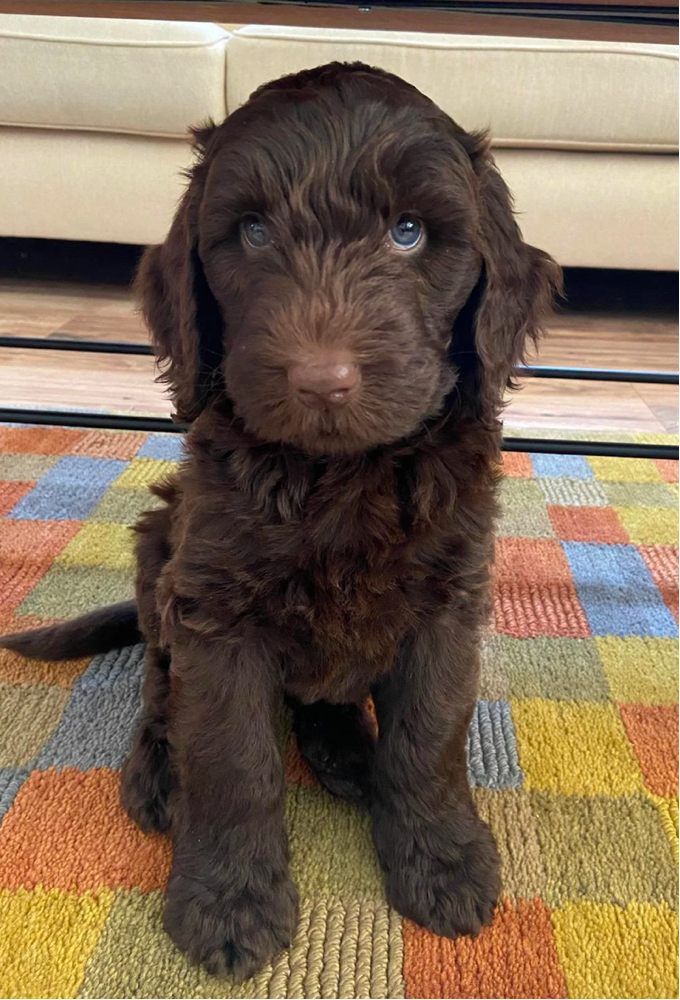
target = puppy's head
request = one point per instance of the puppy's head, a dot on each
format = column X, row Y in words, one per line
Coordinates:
column 344, row 256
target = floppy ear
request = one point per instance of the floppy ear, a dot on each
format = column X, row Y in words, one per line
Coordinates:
column 180, row 311
column 517, row 289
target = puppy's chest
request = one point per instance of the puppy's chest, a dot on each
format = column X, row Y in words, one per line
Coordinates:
column 338, row 574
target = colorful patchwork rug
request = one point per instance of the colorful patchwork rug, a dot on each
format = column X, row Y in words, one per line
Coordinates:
column 573, row 754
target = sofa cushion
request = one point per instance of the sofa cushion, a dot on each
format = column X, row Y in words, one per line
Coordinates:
column 102, row 186
column 532, row 92
column 97, row 74
column 604, row 210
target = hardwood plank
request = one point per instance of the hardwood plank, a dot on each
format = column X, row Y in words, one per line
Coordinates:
column 105, row 325
column 69, row 309
column 628, row 342
column 662, row 400
column 587, row 406
column 27, row 290
column 56, row 380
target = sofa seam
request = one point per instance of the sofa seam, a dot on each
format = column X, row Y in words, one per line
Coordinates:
column 106, row 43
column 404, row 43
column 556, row 145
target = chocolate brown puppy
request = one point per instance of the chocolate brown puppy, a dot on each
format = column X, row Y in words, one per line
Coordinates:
column 337, row 309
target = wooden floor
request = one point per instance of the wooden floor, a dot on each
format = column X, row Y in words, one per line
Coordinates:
column 604, row 336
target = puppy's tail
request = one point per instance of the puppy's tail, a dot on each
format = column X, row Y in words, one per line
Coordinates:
column 97, row 632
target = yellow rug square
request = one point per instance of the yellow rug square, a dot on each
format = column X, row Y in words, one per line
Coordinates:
column 649, row 525
column 615, row 951
column 624, row 470
column 640, row 668
column 578, row 748
column 145, row 471
column 47, row 939
column 96, row 544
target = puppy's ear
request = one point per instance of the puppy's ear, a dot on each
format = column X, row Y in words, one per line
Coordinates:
column 180, row 311
column 517, row 286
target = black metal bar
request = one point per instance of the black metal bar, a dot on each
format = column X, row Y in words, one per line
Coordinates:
column 107, row 421
column 86, row 346
column 535, row 371
column 599, row 374
column 114, row 421
column 612, row 449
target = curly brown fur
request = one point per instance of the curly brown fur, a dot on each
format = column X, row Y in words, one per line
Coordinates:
column 318, row 552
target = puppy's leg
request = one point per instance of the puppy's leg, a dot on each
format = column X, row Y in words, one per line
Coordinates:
column 147, row 779
column 440, row 860
column 338, row 743
column 230, row 902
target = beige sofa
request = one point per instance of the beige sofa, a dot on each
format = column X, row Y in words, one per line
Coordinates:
column 94, row 117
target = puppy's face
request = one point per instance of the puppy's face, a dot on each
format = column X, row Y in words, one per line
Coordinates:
column 336, row 234
column 315, row 272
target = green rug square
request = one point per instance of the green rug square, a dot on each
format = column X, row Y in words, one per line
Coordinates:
column 29, row 714
column 521, row 492
column 134, row 957
column 332, row 852
column 124, row 506
column 640, row 495
column 544, row 667
column 604, row 849
column 25, row 468
column 513, row 824
column 525, row 522
column 67, row 591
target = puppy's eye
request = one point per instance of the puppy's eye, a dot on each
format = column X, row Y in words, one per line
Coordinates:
column 407, row 232
column 255, row 232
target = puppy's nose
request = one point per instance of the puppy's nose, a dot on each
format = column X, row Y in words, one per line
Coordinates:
column 324, row 381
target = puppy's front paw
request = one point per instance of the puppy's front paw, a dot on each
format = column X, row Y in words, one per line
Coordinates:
column 447, row 886
column 231, row 933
